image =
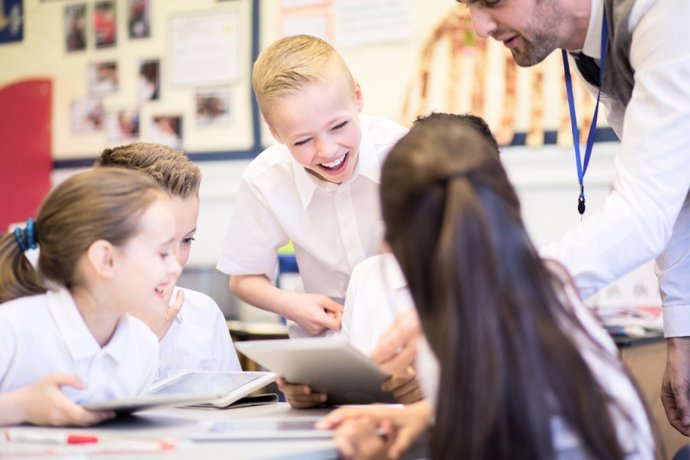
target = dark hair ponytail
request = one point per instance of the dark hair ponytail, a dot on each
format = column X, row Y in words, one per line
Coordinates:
column 492, row 312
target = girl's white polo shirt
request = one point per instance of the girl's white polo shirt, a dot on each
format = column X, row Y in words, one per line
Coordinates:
column 377, row 294
column 45, row 333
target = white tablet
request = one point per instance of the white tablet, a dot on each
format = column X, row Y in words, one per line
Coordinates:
column 330, row 366
column 186, row 388
column 257, row 428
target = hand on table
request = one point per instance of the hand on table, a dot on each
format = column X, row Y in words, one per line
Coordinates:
column 377, row 431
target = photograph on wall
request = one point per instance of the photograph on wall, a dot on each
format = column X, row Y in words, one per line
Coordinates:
column 122, row 125
column 103, row 78
column 166, row 130
column 105, row 24
column 87, row 116
column 75, row 27
column 149, row 80
column 11, row 21
column 139, row 18
column 212, row 107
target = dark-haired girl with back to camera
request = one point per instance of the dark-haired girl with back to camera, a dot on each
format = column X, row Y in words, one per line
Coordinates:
column 526, row 371
column 106, row 248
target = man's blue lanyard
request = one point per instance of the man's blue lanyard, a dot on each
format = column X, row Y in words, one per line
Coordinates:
column 582, row 168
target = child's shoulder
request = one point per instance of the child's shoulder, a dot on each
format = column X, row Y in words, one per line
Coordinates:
column 382, row 130
column 18, row 308
column 274, row 159
column 376, row 268
column 198, row 303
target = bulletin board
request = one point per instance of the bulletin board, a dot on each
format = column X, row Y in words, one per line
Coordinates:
column 168, row 71
column 178, row 72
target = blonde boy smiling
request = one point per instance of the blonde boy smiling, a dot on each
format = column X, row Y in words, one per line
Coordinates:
column 317, row 186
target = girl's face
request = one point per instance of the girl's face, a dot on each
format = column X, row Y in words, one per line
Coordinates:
column 146, row 264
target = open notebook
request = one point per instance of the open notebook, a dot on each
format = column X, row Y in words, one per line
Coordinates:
column 217, row 389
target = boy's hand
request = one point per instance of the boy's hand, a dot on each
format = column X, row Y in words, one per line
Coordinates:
column 300, row 396
column 43, row 403
column 315, row 313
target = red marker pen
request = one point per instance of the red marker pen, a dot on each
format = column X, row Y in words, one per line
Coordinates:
column 47, row 437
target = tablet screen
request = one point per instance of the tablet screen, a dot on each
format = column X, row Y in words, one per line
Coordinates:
column 204, row 383
column 262, row 429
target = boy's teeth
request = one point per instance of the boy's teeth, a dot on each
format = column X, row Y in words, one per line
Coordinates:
column 334, row 163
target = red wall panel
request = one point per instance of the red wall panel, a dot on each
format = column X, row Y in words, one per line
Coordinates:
column 25, row 149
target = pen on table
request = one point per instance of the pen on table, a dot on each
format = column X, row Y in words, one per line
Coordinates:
column 45, row 437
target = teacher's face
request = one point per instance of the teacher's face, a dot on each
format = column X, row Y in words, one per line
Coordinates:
column 530, row 29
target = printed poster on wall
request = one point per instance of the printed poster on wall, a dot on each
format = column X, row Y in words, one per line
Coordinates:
column 11, row 21
column 369, row 22
column 204, row 48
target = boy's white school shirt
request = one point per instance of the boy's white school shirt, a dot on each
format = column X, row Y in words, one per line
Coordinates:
column 333, row 227
column 376, row 295
column 198, row 338
column 45, row 333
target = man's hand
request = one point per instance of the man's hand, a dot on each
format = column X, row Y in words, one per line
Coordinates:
column 300, row 396
column 675, row 386
column 43, row 403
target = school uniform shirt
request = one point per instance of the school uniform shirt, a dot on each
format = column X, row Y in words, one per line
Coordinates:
column 45, row 333
column 333, row 226
column 198, row 338
column 632, row 428
column 376, row 295
column 647, row 213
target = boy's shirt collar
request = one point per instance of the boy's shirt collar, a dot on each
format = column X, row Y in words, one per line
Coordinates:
column 368, row 165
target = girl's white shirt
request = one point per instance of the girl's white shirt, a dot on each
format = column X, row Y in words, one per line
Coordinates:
column 46, row 333
column 198, row 338
column 377, row 293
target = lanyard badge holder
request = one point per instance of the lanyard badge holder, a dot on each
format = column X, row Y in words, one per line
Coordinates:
column 582, row 167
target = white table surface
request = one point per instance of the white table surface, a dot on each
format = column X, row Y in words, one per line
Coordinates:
column 179, row 423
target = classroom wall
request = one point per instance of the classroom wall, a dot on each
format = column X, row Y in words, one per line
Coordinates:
column 389, row 71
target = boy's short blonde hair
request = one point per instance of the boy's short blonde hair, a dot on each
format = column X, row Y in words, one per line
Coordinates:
column 172, row 169
column 291, row 63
